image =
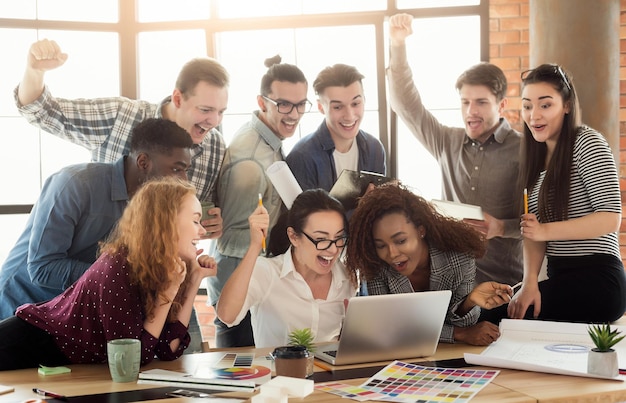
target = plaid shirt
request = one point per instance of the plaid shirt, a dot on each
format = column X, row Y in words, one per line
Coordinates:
column 104, row 125
column 448, row 271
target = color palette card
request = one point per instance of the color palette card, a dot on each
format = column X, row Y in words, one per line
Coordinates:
column 404, row 382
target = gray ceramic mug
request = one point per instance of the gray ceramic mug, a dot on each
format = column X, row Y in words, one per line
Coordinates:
column 124, row 356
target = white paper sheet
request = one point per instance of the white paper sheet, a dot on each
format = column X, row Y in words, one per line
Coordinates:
column 285, row 183
column 543, row 346
column 460, row 211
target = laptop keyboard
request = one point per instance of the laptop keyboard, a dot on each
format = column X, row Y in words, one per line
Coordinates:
column 332, row 353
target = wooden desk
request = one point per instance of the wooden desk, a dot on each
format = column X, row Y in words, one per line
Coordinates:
column 510, row 386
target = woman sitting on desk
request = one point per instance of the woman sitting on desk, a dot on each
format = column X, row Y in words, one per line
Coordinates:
column 304, row 285
column 401, row 244
column 142, row 286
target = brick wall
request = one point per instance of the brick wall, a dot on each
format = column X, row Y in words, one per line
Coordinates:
column 509, row 49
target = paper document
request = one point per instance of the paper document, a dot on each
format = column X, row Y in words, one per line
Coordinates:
column 284, row 182
column 230, row 371
column 6, row 389
column 460, row 211
column 543, row 346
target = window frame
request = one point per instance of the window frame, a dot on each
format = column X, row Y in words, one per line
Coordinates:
column 128, row 28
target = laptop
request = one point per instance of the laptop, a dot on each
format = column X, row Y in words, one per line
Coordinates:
column 389, row 327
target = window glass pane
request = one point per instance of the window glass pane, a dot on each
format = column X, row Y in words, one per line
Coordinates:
column 158, row 69
column 341, row 6
column 166, row 10
column 92, row 68
column 78, row 10
column 21, row 9
column 360, row 53
column 246, row 68
column 52, row 147
column 436, row 82
column 19, row 160
column 435, row 3
column 15, row 45
column 12, row 226
column 256, row 8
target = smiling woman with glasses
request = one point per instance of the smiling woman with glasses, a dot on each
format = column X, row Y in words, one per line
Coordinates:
column 302, row 283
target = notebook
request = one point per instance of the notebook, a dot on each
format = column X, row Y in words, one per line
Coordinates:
column 351, row 185
column 389, row 327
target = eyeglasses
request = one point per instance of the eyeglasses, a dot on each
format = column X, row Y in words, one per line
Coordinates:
column 285, row 107
column 553, row 69
column 324, row 244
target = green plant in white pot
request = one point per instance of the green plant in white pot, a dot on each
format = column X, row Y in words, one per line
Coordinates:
column 304, row 337
column 602, row 360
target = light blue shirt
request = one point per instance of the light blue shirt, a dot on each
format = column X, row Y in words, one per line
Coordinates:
column 77, row 209
column 253, row 149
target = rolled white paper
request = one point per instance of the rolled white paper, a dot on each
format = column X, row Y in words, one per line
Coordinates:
column 285, row 183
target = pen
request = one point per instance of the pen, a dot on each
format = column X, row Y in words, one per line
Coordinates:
column 261, row 205
column 323, row 366
column 525, row 201
column 47, row 393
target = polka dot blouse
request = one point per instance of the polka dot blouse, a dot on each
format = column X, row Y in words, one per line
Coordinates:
column 102, row 305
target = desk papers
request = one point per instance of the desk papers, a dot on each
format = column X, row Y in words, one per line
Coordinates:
column 231, row 371
column 543, row 346
column 460, row 211
column 6, row 389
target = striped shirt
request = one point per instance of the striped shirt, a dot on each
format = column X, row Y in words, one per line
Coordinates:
column 594, row 188
column 104, row 126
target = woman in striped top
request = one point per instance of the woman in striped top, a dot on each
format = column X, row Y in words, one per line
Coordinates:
column 574, row 209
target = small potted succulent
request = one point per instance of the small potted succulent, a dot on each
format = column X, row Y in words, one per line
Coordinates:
column 304, row 337
column 602, row 360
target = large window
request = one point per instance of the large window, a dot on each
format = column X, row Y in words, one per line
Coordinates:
column 136, row 49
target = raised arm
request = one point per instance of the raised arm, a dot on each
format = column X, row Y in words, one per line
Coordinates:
column 236, row 288
column 43, row 55
column 400, row 28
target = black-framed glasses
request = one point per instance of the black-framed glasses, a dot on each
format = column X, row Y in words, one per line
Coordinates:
column 542, row 71
column 285, row 107
column 324, row 244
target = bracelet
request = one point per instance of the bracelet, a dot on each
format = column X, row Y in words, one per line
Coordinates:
column 167, row 301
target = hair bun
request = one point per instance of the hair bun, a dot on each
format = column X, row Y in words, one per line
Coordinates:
column 270, row 61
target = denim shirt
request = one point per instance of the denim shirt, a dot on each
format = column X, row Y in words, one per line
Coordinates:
column 77, row 209
column 312, row 163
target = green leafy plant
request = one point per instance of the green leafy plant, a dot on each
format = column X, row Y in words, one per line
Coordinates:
column 603, row 337
column 302, row 337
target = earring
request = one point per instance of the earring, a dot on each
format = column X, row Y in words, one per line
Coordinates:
column 422, row 236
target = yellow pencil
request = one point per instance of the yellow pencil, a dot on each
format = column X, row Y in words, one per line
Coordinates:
column 322, row 366
column 261, row 205
column 525, row 201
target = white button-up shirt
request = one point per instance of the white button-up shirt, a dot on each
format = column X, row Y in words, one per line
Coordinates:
column 281, row 301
